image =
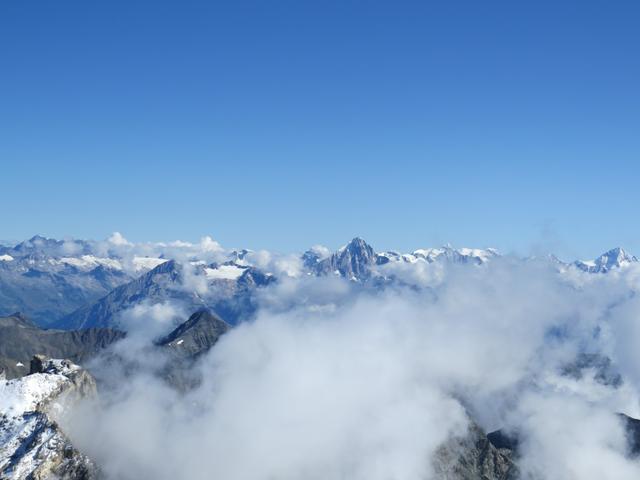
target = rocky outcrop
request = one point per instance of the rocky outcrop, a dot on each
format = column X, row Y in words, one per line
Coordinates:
column 186, row 343
column 32, row 444
column 474, row 457
column 195, row 336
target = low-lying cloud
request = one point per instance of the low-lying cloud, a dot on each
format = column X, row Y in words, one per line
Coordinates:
column 333, row 382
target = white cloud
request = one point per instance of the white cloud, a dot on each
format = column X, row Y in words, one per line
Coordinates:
column 332, row 381
column 208, row 244
column 118, row 239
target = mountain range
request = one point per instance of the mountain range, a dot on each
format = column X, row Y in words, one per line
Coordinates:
column 73, row 284
column 77, row 295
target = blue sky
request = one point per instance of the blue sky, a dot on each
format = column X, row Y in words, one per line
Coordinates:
column 279, row 124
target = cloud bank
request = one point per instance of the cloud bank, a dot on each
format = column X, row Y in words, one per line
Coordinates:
column 331, row 382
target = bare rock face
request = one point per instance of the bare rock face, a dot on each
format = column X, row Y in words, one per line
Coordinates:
column 20, row 339
column 32, row 445
column 474, row 457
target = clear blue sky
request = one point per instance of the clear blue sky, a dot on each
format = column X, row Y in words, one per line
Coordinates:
column 279, row 124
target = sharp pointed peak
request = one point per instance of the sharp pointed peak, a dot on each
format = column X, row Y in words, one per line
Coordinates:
column 617, row 253
column 357, row 240
column 356, row 244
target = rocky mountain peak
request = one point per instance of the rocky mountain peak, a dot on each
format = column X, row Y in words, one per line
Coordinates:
column 353, row 261
column 196, row 335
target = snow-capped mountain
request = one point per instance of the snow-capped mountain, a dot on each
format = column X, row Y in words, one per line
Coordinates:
column 47, row 279
column 446, row 253
column 353, row 261
column 615, row 258
column 357, row 260
column 41, row 278
column 226, row 289
column 78, row 284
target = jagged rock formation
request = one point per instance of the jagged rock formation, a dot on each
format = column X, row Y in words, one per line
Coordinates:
column 20, row 339
column 353, row 261
column 474, row 457
column 357, row 261
column 32, row 445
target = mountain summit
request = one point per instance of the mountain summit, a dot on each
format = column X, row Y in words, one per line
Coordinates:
column 353, row 261
column 614, row 258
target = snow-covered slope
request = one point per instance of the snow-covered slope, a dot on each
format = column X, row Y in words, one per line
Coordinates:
column 446, row 253
column 32, row 445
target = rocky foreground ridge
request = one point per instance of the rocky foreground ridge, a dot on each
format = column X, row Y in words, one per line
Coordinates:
column 32, row 445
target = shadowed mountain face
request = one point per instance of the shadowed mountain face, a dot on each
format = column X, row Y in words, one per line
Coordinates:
column 195, row 336
column 163, row 283
column 186, row 344
column 47, row 292
column 20, row 339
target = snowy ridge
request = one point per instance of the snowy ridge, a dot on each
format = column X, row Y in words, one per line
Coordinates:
column 23, row 395
column 89, row 262
column 31, row 443
column 445, row 253
column 143, row 264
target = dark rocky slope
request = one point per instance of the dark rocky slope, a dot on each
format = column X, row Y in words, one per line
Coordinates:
column 20, row 339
